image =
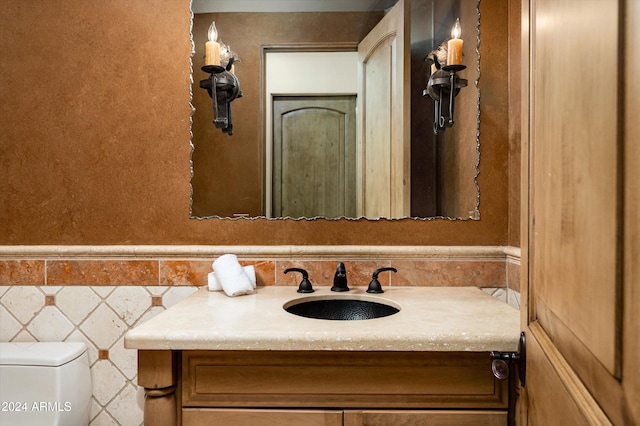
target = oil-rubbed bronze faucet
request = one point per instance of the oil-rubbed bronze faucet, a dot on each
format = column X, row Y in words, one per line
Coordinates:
column 374, row 285
column 305, row 285
column 340, row 279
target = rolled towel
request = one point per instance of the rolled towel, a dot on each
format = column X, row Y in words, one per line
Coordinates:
column 232, row 276
column 214, row 285
column 251, row 273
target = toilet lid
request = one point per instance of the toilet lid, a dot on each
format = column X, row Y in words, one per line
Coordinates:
column 49, row 354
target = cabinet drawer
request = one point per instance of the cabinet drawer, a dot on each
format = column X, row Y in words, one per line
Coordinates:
column 341, row 380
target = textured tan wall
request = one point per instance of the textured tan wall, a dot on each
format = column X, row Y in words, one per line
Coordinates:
column 94, row 122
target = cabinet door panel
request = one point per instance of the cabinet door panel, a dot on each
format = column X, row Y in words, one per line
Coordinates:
column 416, row 418
column 213, row 416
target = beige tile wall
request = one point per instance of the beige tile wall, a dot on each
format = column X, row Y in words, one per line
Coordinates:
column 96, row 294
column 99, row 316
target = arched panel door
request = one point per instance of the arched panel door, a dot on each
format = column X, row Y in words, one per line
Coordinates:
column 314, row 156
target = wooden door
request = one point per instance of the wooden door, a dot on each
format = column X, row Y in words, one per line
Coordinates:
column 384, row 143
column 314, row 148
column 581, row 233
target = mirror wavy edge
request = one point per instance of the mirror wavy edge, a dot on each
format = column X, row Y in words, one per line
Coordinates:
column 476, row 211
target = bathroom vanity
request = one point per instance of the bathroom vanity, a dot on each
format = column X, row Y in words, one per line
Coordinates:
column 212, row 359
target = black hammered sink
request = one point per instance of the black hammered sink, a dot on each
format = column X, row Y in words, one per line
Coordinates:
column 342, row 309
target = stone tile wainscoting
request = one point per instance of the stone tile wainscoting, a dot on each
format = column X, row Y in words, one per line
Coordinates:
column 98, row 316
column 95, row 294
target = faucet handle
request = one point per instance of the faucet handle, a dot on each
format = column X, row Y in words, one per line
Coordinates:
column 305, row 285
column 374, row 285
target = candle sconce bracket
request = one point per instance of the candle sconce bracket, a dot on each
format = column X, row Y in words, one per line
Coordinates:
column 443, row 86
column 223, row 87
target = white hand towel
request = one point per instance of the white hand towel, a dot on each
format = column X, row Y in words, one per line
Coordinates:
column 214, row 285
column 251, row 273
column 232, row 276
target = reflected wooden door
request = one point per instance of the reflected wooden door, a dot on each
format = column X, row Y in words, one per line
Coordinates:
column 581, row 237
column 314, row 156
column 384, row 138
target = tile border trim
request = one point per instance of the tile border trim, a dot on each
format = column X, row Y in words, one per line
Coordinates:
column 352, row 252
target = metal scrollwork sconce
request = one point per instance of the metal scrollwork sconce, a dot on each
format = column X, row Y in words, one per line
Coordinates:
column 443, row 86
column 222, row 85
column 444, row 82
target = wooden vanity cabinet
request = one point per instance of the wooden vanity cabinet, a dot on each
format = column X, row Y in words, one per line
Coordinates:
column 339, row 388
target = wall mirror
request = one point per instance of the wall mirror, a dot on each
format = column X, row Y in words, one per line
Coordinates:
column 298, row 148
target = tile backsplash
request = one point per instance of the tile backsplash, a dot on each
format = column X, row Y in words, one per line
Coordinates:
column 96, row 294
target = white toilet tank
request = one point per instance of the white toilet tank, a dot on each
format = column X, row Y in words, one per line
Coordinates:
column 44, row 383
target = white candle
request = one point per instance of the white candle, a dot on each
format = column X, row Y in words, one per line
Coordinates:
column 212, row 47
column 454, row 46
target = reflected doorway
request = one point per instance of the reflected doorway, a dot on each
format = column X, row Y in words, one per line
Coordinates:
column 314, row 156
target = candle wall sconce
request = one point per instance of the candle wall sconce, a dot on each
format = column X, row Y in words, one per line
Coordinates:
column 223, row 87
column 442, row 87
column 444, row 83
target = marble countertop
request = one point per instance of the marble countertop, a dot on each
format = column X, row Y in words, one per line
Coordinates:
column 430, row 319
